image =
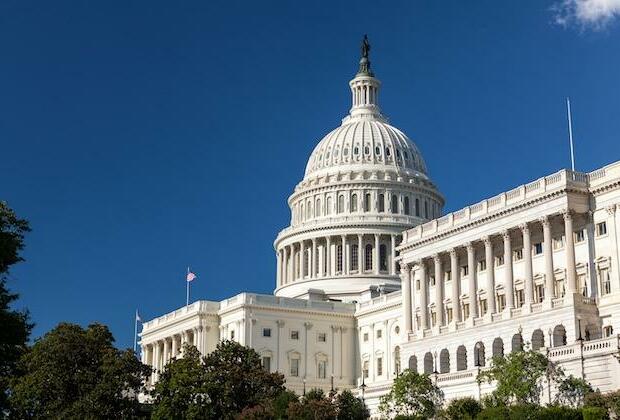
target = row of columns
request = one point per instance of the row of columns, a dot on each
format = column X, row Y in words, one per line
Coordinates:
column 421, row 266
column 158, row 353
column 292, row 264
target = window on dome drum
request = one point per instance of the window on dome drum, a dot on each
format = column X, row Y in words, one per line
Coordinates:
column 417, row 207
column 379, row 333
column 294, row 367
column 339, row 258
column 317, row 208
column 601, row 229
column 328, row 206
column 394, row 204
column 580, row 236
column 356, row 150
column 382, row 258
column 306, row 262
column 538, row 248
column 322, row 367
column 366, row 150
column 367, row 202
column 354, row 257
column 341, row 204
column 266, row 332
column 604, row 280
column 426, row 209
column 354, row 202
column 388, row 152
column 368, row 258
column 321, row 337
column 294, row 335
column 266, row 362
column 417, row 284
column 406, row 205
column 381, row 203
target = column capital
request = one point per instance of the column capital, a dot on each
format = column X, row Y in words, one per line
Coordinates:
column 308, row 325
column 453, row 253
column 611, row 210
column 469, row 246
column 436, row 259
column 506, row 235
column 487, row 241
column 567, row 214
column 545, row 220
column 313, row 241
column 525, row 228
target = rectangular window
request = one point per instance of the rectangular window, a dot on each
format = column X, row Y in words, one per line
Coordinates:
column 540, row 293
column 267, row 363
column 322, row 368
column 483, row 307
column 379, row 333
column 601, row 229
column 365, row 369
column 266, row 332
column 432, row 280
column 232, row 335
column 381, row 203
column 465, row 310
column 538, row 248
column 339, row 258
column 560, row 290
column 294, row 335
column 321, row 337
column 608, row 331
column 583, row 284
column 518, row 255
column 365, row 336
column 294, row 367
column 558, row 243
column 501, row 302
column 449, row 315
column 464, row 270
column 519, row 297
column 354, row 257
column 605, row 281
column 433, row 318
column 417, row 284
column 580, row 236
column 379, row 366
column 367, row 202
column 499, row 260
column 482, row 265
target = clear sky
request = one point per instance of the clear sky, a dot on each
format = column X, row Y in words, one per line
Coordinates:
column 139, row 137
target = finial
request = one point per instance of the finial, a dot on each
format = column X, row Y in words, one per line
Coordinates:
column 364, row 61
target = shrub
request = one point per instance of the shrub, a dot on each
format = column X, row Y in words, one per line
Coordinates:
column 494, row 413
column 595, row 413
column 559, row 413
column 462, row 409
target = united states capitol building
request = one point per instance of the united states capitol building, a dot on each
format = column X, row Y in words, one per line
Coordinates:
column 373, row 278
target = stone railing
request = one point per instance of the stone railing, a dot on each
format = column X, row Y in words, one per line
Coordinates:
column 194, row 308
column 380, row 300
column 285, row 303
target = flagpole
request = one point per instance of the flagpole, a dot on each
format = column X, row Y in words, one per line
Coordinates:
column 570, row 134
column 188, row 282
column 135, row 333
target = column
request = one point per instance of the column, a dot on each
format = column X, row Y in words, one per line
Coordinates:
column 175, row 348
column 279, row 268
column 423, row 300
column 361, row 254
column 313, row 259
column 569, row 250
column 412, row 295
column 438, row 290
column 302, row 260
column 287, row 265
column 612, row 212
column 166, row 352
column 156, row 360
column 473, row 290
column 405, row 279
column 393, row 261
column 376, row 254
column 345, row 257
column 527, row 265
column 456, row 286
column 488, row 256
column 328, row 256
column 143, row 354
column 548, row 252
column 508, row 277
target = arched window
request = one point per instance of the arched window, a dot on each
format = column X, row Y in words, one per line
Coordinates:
column 309, row 210
column 368, row 258
column 341, row 204
column 444, row 361
column 426, row 209
column 306, row 262
column 417, row 207
column 559, row 336
column 498, row 347
column 301, row 212
column 397, row 360
column 538, row 339
column 382, row 257
column 428, row 363
column 479, row 359
column 328, row 206
column 394, row 206
column 413, row 364
column 354, row 257
column 367, row 202
column 339, row 258
column 317, row 207
column 517, row 342
column 406, row 205
column 461, row 358
column 381, row 203
column 354, row 202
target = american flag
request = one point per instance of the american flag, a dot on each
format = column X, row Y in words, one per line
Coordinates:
column 190, row 276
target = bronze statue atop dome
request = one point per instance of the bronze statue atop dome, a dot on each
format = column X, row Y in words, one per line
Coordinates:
column 364, row 61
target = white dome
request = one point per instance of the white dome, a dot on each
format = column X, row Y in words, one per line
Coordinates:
column 366, row 142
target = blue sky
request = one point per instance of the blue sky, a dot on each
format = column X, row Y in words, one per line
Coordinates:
column 139, row 137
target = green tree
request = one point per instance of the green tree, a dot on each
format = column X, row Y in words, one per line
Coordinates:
column 412, row 394
column 220, row 386
column 15, row 326
column 74, row 373
column 519, row 377
column 349, row 407
column 572, row 391
column 315, row 405
column 466, row 408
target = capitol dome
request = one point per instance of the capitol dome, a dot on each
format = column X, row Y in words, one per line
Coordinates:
column 365, row 183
